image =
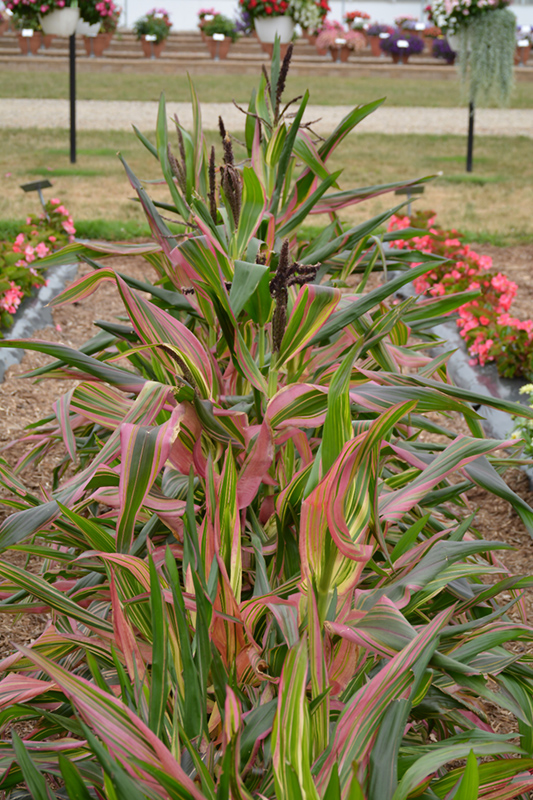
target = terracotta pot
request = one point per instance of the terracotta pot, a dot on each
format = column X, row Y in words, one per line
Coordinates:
column 47, row 41
column 152, row 49
column 218, row 50
column 322, row 51
column 398, row 59
column 522, row 54
column 340, row 53
column 29, row 45
column 95, row 45
column 374, row 46
column 4, row 26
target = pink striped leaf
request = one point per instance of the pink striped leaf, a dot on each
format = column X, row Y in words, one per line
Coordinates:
column 291, row 757
column 62, row 411
column 457, row 455
column 125, row 734
column 21, row 688
column 359, row 722
column 156, row 326
column 77, row 250
column 255, row 467
column 314, row 305
column 144, row 451
column 299, row 405
column 54, row 599
column 349, row 482
column 101, row 404
column 227, row 524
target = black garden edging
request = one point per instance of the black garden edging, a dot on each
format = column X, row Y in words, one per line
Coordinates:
column 34, row 313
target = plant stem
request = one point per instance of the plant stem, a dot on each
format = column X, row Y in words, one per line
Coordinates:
column 261, row 342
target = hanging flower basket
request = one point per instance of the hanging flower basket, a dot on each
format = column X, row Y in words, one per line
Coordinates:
column 60, row 22
column 84, row 28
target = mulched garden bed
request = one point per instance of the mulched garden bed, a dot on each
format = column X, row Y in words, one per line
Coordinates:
column 23, row 401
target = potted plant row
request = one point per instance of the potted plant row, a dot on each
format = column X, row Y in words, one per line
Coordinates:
column 152, row 31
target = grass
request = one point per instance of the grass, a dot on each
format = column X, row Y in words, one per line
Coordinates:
column 493, row 204
column 220, row 88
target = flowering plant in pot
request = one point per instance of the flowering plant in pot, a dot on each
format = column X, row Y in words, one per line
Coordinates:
column 219, row 26
column 356, row 20
column 205, row 15
column 156, row 26
column 406, row 22
column 29, row 44
column 374, row 32
column 56, row 17
column 259, row 577
column 441, row 49
column 402, row 44
column 105, row 14
column 341, row 43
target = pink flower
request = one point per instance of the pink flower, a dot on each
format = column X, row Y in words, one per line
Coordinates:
column 68, row 227
column 42, row 250
column 54, row 201
column 52, row 239
column 11, row 299
column 20, row 239
column 29, row 253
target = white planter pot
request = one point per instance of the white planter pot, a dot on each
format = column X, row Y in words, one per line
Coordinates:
column 61, row 22
column 86, row 29
column 267, row 28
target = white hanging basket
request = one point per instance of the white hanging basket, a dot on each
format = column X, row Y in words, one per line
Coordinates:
column 61, row 22
column 267, row 28
column 86, row 29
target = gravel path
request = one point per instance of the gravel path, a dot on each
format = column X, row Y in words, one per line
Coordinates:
column 119, row 115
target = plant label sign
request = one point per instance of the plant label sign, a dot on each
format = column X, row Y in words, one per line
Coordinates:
column 403, row 43
column 208, row 17
column 340, row 42
column 218, row 37
column 384, row 35
column 523, row 43
column 27, row 33
column 420, row 26
column 150, row 37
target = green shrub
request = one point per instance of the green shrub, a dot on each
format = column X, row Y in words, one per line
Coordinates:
column 262, row 581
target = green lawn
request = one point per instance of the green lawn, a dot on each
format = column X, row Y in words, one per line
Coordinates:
column 220, row 88
column 493, row 204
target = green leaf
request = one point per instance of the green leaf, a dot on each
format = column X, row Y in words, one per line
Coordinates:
column 162, row 152
column 245, row 282
column 74, row 784
column 33, row 778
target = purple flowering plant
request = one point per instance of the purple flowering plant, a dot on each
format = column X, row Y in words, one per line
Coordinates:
column 390, row 45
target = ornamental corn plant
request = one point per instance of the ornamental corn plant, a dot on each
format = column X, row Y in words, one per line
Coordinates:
column 260, row 570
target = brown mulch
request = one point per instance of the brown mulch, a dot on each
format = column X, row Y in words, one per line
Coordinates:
column 24, row 401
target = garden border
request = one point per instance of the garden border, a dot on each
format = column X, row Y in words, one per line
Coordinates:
column 34, row 313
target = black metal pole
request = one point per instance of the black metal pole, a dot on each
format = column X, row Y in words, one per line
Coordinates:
column 72, row 59
column 470, row 146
